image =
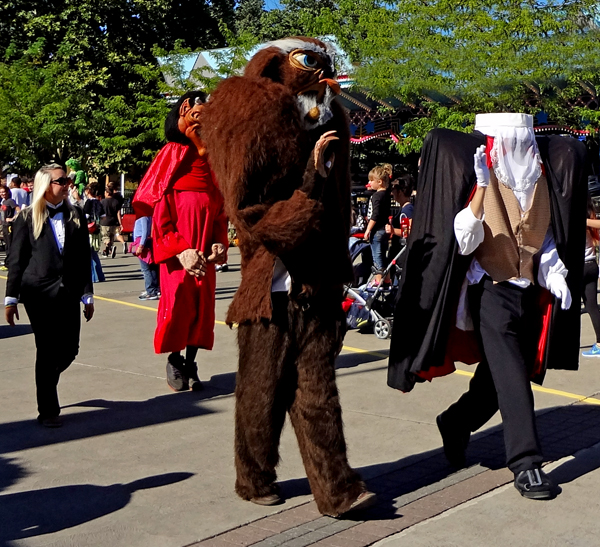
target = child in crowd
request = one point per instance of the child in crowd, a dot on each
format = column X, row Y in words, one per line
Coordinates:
column 378, row 214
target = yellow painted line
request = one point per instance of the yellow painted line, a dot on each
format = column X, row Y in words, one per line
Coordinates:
column 566, row 394
column 122, row 302
column 96, row 297
column 541, row 389
column 365, row 351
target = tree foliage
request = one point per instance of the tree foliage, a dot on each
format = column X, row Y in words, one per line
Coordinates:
column 474, row 56
column 94, row 61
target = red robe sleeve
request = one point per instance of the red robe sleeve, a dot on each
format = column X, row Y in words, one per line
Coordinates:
column 157, row 178
column 168, row 242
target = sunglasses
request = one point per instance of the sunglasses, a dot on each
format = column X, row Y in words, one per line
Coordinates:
column 62, row 181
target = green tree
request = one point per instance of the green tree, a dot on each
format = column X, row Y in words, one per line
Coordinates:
column 100, row 55
column 475, row 56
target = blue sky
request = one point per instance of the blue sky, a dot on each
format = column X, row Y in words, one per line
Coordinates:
column 272, row 4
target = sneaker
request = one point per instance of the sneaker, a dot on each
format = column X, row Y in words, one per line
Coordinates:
column 594, row 351
column 143, row 295
column 113, row 252
column 124, row 248
column 222, row 268
column 3, row 268
column 534, row 484
column 175, row 374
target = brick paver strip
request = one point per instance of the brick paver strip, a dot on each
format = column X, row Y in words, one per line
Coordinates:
column 417, row 491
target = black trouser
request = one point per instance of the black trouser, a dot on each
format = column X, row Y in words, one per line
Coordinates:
column 56, row 323
column 7, row 236
column 505, row 320
column 590, row 294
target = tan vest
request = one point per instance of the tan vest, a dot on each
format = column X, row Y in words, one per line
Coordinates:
column 512, row 237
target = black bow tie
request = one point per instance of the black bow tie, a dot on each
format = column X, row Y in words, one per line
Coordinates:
column 62, row 208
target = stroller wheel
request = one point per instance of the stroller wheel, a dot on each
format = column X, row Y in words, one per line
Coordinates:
column 382, row 329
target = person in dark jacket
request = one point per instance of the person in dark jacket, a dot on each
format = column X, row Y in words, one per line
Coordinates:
column 49, row 272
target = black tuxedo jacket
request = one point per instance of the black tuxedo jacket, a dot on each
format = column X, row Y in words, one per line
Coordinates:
column 37, row 269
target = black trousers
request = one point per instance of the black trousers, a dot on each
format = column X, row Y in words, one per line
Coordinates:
column 590, row 294
column 56, row 323
column 7, row 236
column 505, row 319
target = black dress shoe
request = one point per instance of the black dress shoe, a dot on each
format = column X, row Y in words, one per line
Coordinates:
column 50, row 421
column 534, row 484
column 191, row 370
column 176, row 375
column 455, row 442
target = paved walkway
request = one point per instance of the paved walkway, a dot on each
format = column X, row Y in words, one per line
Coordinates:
column 137, row 465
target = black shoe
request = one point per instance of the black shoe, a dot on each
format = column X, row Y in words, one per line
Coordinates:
column 113, row 252
column 534, row 484
column 455, row 442
column 50, row 421
column 192, row 374
column 176, row 377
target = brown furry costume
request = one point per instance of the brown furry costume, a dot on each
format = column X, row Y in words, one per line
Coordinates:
column 260, row 143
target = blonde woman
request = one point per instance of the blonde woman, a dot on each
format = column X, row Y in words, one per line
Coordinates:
column 49, row 272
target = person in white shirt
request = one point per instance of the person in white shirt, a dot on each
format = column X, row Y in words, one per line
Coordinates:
column 507, row 230
column 49, row 272
column 18, row 194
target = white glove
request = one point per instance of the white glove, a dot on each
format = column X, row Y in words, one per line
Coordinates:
column 482, row 173
column 558, row 287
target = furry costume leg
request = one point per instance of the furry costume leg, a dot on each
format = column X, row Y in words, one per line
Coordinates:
column 261, row 403
column 316, row 414
column 288, row 363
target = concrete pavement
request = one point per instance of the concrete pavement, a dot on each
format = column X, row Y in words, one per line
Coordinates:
column 138, row 465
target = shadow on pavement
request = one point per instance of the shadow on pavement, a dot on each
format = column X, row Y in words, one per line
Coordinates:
column 563, row 431
column 6, row 331
column 351, row 360
column 108, row 417
column 37, row 512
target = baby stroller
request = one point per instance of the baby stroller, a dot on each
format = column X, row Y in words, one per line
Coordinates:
column 374, row 305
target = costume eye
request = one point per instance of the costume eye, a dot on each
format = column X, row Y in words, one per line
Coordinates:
column 305, row 60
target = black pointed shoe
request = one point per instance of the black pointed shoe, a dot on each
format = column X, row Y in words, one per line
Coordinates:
column 176, row 375
column 455, row 442
column 534, row 484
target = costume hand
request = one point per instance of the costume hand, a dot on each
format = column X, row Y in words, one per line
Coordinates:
column 218, row 254
column 10, row 312
column 558, row 287
column 193, row 261
column 88, row 311
column 321, row 165
column 482, row 173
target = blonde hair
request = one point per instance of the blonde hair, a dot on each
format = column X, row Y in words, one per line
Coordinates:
column 383, row 173
column 38, row 209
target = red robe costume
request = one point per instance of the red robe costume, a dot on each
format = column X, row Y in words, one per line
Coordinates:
column 188, row 214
